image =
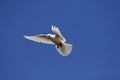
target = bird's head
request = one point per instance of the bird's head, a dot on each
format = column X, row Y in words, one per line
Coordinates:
column 50, row 35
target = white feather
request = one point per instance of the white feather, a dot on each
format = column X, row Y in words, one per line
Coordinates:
column 39, row 38
column 65, row 49
column 58, row 33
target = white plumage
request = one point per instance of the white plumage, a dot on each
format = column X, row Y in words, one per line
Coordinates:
column 57, row 38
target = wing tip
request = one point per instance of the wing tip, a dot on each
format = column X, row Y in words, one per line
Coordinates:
column 53, row 27
column 25, row 36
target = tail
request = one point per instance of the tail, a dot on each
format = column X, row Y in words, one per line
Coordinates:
column 65, row 49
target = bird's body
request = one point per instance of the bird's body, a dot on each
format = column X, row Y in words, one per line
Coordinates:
column 55, row 40
column 63, row 48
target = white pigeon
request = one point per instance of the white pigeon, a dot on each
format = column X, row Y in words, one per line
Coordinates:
column 63, row 48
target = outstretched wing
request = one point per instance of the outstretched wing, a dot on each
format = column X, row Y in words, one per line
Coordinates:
column 57, row 33
column 40, row 38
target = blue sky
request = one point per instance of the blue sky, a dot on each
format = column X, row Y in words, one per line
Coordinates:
column 92, row 26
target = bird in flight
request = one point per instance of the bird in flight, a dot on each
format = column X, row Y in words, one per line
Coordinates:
column 56, row 39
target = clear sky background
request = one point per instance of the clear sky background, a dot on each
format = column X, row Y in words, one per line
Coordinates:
column 92, row 26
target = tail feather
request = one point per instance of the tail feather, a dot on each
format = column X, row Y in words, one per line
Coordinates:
column 65, row 49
